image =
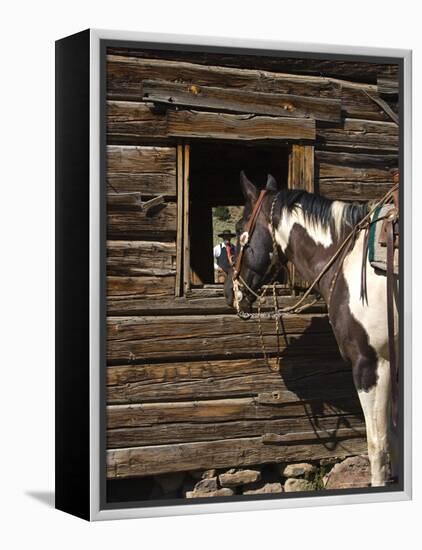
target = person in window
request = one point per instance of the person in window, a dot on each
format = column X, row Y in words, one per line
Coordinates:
column 224, row 254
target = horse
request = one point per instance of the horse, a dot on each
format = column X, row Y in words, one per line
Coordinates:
column 307, row 229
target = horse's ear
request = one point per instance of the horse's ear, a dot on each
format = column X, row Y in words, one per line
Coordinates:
column 250, row 192
column 271, row 183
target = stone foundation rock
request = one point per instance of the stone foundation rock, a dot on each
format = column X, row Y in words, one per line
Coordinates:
column 223, row 492
column 234, row 478
column 352, row 473
column 293, row 484
column 261, row 488
column 298, row 470
column 330, row 473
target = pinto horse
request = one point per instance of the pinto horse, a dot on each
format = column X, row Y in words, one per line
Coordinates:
column 307, row 229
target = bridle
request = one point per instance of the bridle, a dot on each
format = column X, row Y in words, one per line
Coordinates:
column 239, row 282
column 247, row 234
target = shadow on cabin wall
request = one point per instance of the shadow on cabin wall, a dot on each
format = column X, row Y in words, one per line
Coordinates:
column 311, row 368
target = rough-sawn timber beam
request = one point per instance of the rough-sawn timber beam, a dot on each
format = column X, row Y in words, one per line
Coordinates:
column 242, row 101
column 158, row 459
column 194, row 124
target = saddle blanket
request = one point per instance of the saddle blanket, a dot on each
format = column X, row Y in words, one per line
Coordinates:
column 378, row 253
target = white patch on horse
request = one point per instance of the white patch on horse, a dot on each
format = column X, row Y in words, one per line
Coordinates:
column 337, row 216
column 372, row 315
column 317, row 232
column 376, row 410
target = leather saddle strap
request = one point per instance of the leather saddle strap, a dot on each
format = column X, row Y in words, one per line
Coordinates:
column 390, row 320
column 363, row 285
column 249, row 229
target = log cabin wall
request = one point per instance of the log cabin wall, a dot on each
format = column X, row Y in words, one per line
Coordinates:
column 187, row 387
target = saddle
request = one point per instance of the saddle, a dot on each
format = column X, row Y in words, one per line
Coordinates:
column 384, row 220
column 381, row 247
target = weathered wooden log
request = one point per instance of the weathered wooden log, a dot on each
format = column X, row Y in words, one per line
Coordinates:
column 150, row 184
column 353, row 191
column 360, row 160
column 149, row 160
column 388, row 80
column 125, row 76
column 241, row 101
column 146, row 305
column 355, row 103
column 195, row 124
column 158, row 459
column 132, row 201
column 150, row 171
column 236, row 378
column 359, row 71
column 301, row 168
column 155, row 224
column 214, row 410
column 130, row 328
column 129, row 121
column 191, row 431
column 335, row 174
column 361, row 135
column 132, row 340
column 140, row 286
column 354, row 176
column 135, row 258
column 124, row 201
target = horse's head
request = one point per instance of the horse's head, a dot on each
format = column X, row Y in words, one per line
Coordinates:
column 256, row 264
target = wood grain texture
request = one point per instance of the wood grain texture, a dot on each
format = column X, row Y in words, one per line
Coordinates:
column 359, row 71
column 301, row 167
column 353, row 191
column 241, row 101
column 131, row 462
column 209, row 411
column 129, row 121
column 150, row 171
column 192, row 380
column 155, row 224
column 381, row 160
column 126, row 74
column 178, row 291
column 354, row 176
column 135, row 258
column 388, row 80
column 186, row 217
column 360, row 135
column 149, row 160
column 238, row 127
column 140, row 286
column 193, row 431
column 355, row 103
column 352, row 183
column 207, row 305
column 139, row 339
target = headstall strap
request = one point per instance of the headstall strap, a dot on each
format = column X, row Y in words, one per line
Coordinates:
column 250, row 226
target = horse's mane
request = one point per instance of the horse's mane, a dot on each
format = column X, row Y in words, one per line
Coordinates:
column 318, row 209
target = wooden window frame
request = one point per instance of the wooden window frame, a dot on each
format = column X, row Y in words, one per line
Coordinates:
column 301, row 172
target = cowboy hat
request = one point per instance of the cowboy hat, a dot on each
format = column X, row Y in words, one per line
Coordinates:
column 227, row 234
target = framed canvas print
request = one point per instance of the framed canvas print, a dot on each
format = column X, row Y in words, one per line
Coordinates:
column 233, row 275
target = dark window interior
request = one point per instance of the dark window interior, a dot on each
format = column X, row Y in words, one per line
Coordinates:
column 214, row 181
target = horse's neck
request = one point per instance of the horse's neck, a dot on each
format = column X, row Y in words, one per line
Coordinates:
column 309, row 246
